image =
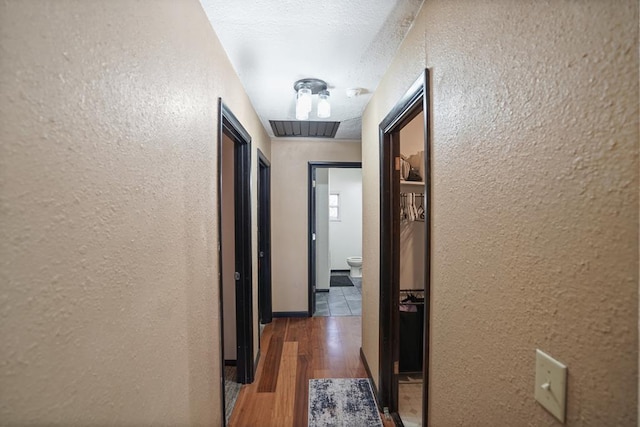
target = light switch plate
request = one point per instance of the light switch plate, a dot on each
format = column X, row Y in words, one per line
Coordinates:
column 551, row 384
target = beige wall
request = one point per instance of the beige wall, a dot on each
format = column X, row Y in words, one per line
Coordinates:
column 289, row 177
column 402, row 72
column 535, row 205
column 109, row 309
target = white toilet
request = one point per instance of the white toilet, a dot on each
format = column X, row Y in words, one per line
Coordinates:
column 355, row 262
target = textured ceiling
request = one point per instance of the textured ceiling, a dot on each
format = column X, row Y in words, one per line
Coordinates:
column 348, row 44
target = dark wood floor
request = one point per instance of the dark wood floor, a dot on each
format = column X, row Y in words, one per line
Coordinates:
column 295, row 350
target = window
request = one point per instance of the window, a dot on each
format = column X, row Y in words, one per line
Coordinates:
column 334, row 207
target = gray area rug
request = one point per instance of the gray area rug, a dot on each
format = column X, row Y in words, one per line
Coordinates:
column 342, row 402
column 231, row 391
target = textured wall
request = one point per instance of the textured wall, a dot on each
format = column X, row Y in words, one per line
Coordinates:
column 402, row 72
column 535, row 205
column 108, row 308
column 289, row 177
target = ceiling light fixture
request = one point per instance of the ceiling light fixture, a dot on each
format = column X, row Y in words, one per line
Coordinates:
column 305, row 88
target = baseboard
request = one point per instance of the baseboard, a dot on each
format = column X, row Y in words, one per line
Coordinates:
column 291, row 314
column 322, row 290
column 373, row 384
column 340, row 271
column 230, row 362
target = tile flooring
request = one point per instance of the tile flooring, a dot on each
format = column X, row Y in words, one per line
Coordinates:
column 410, row 400
column 339, row 301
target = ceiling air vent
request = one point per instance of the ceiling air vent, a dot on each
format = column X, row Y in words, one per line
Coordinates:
column 304, row 129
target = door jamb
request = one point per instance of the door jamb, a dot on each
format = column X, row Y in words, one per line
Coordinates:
column 410, row 105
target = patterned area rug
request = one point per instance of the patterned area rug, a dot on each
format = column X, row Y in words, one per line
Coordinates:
column 342, row 402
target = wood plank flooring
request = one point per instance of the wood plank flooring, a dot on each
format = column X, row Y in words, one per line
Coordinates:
column 295, row 350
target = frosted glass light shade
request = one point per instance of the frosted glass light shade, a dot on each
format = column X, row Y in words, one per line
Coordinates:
column 324, row 107
column 303, row 103
column 301, row 112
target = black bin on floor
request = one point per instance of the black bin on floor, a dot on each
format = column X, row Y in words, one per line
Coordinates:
column 411, row 334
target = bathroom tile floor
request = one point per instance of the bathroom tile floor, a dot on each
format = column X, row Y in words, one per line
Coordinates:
column 339, row 301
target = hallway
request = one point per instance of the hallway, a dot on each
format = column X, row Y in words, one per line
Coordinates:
column 294, row 350
column 112, row 127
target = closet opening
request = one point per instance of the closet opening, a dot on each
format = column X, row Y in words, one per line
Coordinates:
column 405, row 220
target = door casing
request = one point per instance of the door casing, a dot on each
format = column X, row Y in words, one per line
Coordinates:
column 264, row 239
column 415, row 100
column 229, row 125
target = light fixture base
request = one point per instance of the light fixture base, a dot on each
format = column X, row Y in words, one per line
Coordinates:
column 316, row 85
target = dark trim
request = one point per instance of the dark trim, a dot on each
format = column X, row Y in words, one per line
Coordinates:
column 264, row 240
column 410, row 105
column 311, row 220
column 228, row 362
column 405, row 109
column 336, row 164
column 426, row 339
column 229, row 125
column 322, row 290
column 220, row 285
column 311, row 247
column 340, row 271
column 279, row 314
column 396, row 419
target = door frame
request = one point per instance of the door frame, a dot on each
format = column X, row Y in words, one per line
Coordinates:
column 265, row 312
column 415, row 100
column 228, row 124
column 311, row 221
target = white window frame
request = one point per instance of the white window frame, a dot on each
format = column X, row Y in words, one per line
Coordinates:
column 336, row 206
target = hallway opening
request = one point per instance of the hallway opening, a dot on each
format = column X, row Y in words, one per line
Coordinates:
column 335, row 238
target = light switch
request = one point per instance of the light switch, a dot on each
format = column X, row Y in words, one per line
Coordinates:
column 551, row 384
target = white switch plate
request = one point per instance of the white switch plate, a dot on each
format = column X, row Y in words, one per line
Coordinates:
column 551, row 384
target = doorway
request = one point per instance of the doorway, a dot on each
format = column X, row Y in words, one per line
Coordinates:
column 330, row 214
column 393, row 198
column 235, row 256
column 264, row 242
